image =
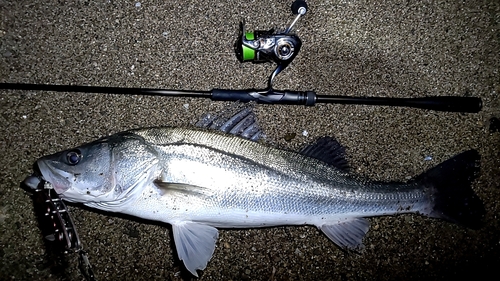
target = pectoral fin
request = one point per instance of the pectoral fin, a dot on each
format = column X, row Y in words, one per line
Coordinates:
column 347, row 233
column 195, row 244
column 166, row 188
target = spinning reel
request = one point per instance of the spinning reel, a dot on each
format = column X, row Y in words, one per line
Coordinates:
column 269, row 46
column 280, row 47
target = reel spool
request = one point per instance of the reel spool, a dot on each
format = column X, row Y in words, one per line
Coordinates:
column 264, row 46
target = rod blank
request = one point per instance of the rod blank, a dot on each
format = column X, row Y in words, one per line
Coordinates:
column 446, row 103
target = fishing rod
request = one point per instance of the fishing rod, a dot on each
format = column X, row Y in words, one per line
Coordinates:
column 280, row 47
column 270, row 96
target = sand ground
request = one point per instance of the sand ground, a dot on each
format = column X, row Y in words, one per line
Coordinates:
column 355, row 48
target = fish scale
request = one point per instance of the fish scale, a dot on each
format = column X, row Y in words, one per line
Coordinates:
column 328, row 192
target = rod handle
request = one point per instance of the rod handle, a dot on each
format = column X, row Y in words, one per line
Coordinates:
column 264, row 96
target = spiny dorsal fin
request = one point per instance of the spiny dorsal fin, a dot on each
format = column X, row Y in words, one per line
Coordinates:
column 237, row 120
column 328, row 150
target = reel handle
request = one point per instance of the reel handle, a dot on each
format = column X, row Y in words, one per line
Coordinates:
column 299, row 8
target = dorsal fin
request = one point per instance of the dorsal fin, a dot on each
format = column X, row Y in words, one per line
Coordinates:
column 328, row 150
column 236, row 120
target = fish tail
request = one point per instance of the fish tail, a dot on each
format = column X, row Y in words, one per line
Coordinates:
column 449, row 186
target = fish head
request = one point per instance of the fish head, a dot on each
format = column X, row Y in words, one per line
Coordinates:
column 110, row 170
column 81, row 172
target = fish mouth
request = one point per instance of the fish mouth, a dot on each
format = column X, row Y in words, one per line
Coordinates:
column 58, row 178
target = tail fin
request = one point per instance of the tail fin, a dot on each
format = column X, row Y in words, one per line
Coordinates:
column 449, row 185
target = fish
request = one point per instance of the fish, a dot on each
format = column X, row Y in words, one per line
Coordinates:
column 200, row 180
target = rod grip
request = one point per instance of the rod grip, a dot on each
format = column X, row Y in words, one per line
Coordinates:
column 266, row 97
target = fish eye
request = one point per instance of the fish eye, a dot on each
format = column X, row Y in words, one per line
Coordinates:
column 73, row 157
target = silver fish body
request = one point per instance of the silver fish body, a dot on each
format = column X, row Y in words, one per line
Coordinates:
column 198, row 180
column 229, row 182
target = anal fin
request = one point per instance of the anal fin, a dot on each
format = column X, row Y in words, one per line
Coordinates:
column 347, row 233
column 195, row 244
